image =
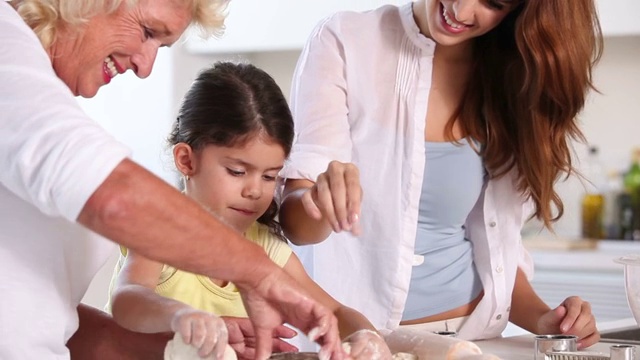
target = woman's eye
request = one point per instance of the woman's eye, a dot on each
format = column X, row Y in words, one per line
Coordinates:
column 235, row 172
column 497, row 4
column 147, row 32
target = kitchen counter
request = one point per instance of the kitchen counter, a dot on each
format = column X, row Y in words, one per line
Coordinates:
column 521, row 347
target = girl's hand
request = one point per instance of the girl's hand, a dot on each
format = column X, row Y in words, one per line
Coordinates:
column 572, row 317
column 202, row 330
column 366, row 345
column 336, row 197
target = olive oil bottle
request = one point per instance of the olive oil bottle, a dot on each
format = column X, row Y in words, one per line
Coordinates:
column 593, row 200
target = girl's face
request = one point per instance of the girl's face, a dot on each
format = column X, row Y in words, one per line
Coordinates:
column 236, row 183
column 453, row 22
column 109, row 45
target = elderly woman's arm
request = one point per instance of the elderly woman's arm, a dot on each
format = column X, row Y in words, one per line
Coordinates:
column 140, row 211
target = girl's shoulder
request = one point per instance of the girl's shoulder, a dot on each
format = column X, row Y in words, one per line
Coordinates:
column 277, row 249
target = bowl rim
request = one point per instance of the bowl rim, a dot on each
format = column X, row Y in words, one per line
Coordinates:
column 631, row 259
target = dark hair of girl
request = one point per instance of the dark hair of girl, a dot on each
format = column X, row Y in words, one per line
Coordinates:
column 228, row 105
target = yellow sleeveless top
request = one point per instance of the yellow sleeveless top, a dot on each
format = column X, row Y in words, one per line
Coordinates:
column 199, row 291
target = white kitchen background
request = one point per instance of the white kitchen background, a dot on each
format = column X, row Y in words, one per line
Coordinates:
column 270, row 34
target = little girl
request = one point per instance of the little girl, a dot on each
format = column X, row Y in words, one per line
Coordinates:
column 232, row 136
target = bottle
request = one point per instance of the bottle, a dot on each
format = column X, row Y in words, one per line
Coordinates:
column 593, row 199
column 612, row 217
column 632, row 187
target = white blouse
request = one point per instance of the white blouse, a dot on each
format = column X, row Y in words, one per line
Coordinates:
column 360, row 95
column 52, row 159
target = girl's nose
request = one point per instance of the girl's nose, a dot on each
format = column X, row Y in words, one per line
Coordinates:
column 252, row 190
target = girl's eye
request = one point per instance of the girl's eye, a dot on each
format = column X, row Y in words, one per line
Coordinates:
column 233, row 172
column 269, row 177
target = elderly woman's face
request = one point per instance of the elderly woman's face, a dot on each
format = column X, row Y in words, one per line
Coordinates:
column 111, row 44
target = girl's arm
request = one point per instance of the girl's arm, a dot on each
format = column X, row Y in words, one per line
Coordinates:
column 349, row 320
column 137, row 307
column 362, row 340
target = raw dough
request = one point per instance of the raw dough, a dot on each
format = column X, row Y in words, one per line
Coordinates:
column 397, row 356
column 404, row 356
column 176, row 349
column 426, row 345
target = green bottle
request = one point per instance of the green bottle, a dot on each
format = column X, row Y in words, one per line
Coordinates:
column 632, row 187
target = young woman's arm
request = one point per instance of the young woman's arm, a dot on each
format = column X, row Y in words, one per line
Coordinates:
column 310, row 211
column 355, row 329
column 572, row 317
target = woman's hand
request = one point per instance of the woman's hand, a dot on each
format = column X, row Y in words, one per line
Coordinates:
column 336, row 197
column 242, row 337
column 202, row 330
column 276, row 299
column 366, row 345
column 572, row 317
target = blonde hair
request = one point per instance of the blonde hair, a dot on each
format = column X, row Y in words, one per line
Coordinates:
column 46, row 16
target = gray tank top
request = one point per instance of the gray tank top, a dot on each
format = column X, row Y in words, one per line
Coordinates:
column 447, row 278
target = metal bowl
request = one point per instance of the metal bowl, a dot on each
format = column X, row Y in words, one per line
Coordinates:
column 295, row 356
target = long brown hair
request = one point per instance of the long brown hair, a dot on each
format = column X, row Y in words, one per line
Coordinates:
column 530, row 79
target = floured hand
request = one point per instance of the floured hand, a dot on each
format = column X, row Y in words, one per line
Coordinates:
column 177, row 349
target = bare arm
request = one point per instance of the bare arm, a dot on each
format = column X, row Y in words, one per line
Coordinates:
column 140, row 211
column 135, row 304
column 99, row 337
column 364, row 342
column 310, row 211
column 572, row 317
column 526, row 305
column 349, row 320
column 298, row 226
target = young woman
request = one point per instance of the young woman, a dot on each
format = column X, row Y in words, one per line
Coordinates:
column 453, row 118
column 233, row 134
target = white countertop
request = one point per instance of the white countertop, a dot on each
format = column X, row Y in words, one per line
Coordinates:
column 522, row 347
column 596, row 259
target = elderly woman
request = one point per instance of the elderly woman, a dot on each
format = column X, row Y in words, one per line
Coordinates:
column 66, row 185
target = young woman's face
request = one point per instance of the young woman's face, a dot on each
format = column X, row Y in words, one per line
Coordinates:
column 452, row 22
column 237, row 183
column 86, row 58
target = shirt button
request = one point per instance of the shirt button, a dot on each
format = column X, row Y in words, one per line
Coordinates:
column 493, row 224
column 499, row 317
column 508, row 308
column 499, row 269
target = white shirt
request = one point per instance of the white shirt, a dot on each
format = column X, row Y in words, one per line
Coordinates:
column 52, row 158
column 360, row 95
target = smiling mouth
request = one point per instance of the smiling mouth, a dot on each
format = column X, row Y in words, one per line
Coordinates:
column 450, row 22
column 110, row 67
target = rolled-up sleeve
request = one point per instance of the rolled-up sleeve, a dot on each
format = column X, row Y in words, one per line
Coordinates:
column 319, row 105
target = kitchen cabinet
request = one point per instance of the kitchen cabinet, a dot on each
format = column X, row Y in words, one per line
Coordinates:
column 278, row 25
column 274, row 25
column 619, row 17
column 589, row 273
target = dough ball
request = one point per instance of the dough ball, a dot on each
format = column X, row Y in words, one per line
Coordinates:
column 176, row 349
